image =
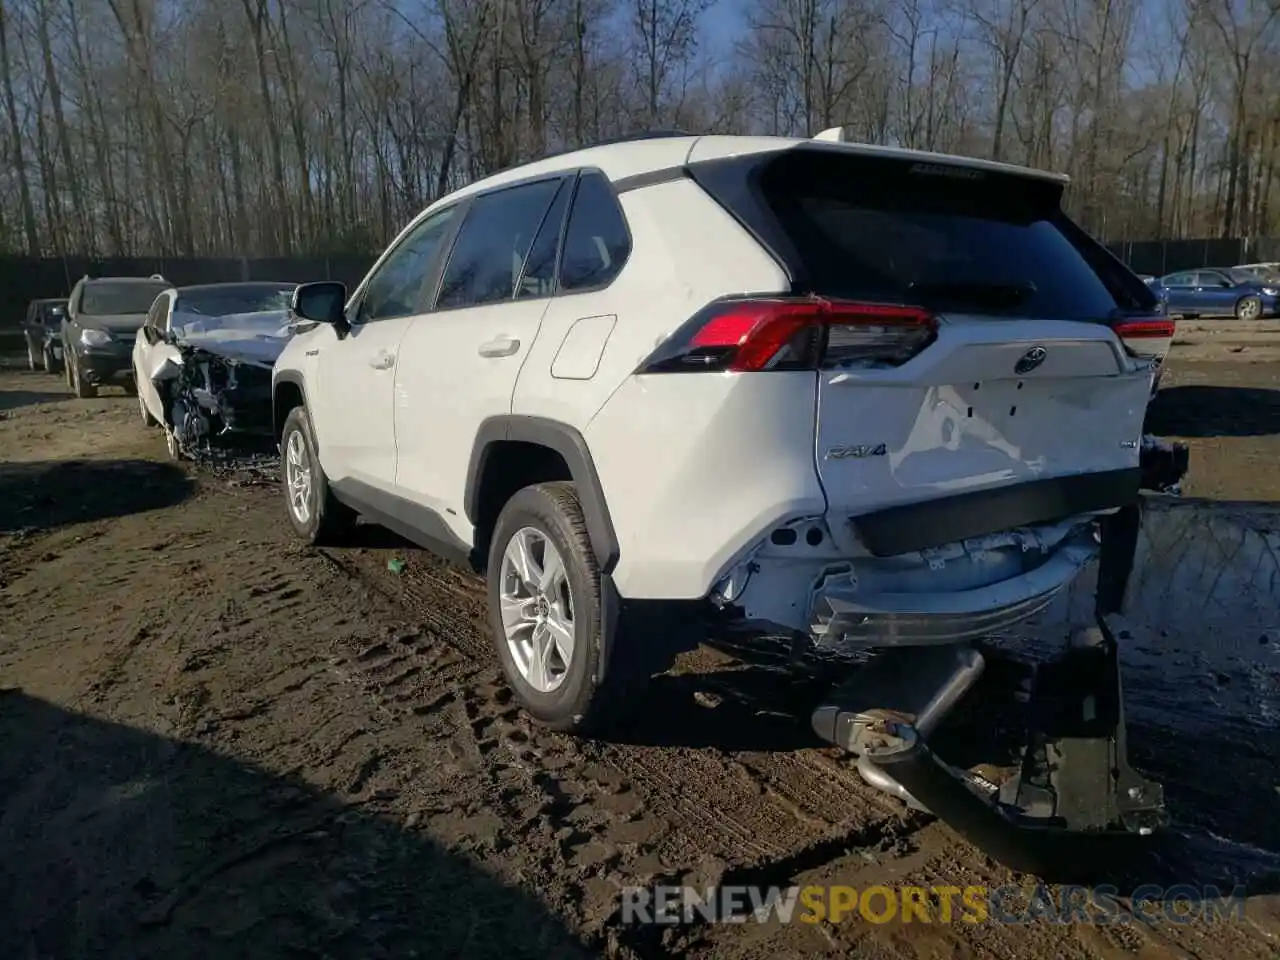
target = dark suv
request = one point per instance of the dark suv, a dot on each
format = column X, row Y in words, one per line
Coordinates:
column 42, row 328
column 103, row 317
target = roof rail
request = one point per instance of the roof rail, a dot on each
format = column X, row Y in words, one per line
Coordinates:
column 626, row 138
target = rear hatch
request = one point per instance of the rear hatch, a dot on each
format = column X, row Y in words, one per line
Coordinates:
column 967, row 343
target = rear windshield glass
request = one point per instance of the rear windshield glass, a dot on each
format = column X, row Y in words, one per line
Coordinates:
column 104, row 298
column 967, row 241
column 221, row 303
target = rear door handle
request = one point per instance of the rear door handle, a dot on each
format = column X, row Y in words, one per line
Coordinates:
column 383, row 361
column 499, row 347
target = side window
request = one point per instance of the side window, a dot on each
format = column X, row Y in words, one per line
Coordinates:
column 398, row 287
column 539, row 278
column 597, row 243
column 492, row 245
column 1179, row 280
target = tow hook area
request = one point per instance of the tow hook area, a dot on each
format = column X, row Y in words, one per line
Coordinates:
column 1073, row 794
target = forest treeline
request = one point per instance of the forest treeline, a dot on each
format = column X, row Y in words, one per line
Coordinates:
column 313, row 127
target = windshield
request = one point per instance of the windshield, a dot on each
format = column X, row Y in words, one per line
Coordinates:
column 232, row 300
column 105, row 299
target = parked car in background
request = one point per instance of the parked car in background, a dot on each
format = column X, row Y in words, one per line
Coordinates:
column 202, row 360
column 1219, row 292
column 42, row 328
column 1266, row 272
column 103, row 317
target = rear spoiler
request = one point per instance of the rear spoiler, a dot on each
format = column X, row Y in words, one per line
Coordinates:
column 937, row 162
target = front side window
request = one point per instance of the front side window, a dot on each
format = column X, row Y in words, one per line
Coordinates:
column 488, row 257
column 398, row 288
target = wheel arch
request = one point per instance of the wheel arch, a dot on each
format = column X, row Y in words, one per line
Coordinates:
column 521, row 436
column 288, row 391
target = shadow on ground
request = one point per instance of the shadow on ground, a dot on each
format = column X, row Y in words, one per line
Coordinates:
column 13, row 399
column 47, row 494
column 121, row 843
column 1209, row 411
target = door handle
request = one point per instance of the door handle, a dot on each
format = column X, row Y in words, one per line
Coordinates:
column 499, row 347
column 383, row 361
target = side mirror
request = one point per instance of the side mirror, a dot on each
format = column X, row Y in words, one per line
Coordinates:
column 321, row 302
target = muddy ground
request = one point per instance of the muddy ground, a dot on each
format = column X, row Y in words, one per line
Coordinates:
column 217, row 743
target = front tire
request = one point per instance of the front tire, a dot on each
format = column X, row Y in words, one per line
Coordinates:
column 314, row 512
column 1248, row 308
column 544, row 592
column 83, row 390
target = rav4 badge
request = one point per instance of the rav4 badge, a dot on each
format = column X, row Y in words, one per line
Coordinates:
column 858, row 450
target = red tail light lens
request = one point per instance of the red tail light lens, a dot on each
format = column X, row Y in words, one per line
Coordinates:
column 1143, row 329
column 793, row 334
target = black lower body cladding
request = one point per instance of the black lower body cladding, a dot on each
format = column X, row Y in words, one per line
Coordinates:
column 919, row 526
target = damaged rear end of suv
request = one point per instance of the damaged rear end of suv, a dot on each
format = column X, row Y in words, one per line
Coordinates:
column 946, row 381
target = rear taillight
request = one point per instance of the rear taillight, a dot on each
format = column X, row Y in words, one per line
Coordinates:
column 793, row 334
column 1143, row 329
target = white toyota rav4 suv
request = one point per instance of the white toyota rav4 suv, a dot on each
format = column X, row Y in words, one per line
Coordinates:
column 859, row 395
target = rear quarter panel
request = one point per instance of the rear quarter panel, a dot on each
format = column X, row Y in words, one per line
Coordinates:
column 685, row 252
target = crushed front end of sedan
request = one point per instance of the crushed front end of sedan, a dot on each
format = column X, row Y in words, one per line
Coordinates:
column 215, row 385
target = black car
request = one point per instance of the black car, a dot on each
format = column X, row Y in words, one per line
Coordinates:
column 102, row 321
column 42, row 328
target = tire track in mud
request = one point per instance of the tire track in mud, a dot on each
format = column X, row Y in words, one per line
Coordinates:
column 611, row 813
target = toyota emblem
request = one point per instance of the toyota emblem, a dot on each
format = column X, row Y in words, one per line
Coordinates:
column 1030, row 360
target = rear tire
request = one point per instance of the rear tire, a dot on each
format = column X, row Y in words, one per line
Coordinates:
column 147, row 419
column 596, row 684
column 1248, row 308
column 314, row 512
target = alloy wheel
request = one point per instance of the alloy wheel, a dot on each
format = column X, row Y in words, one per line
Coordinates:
column 297, row 473
column 537, row 609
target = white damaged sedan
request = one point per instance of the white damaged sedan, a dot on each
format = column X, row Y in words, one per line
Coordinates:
column 203, row 360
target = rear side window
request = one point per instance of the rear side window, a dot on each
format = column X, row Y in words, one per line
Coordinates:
column 488, row 256
column 902, row 231
column 597, row 243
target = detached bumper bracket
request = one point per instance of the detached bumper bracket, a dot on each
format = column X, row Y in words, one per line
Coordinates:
column 1075, row 795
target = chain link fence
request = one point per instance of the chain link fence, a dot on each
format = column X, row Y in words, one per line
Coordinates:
column 23, row 279
column 1159, row 257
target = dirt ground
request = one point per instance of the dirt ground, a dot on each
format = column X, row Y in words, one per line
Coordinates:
column 217, row 743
